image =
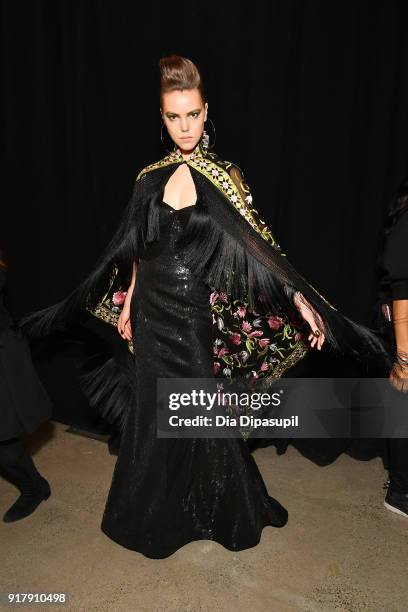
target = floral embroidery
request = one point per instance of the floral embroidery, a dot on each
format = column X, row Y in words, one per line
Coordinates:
column 251, row 344
column 118, row 298
column 110, row 306
column 245, row 343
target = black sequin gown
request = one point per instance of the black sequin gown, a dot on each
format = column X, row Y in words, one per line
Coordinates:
column 168, row 492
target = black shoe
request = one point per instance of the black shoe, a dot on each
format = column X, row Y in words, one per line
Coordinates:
column 28, row 501
column 397, row 502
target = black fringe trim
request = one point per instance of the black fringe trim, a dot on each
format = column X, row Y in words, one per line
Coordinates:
column 111, row 388
column 233, row 257
column 125, row 247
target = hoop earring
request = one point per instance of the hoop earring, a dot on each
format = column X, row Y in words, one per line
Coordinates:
column 162, row 140
column 206, row 138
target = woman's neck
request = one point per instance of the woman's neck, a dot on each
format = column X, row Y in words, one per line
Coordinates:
column 186, row 154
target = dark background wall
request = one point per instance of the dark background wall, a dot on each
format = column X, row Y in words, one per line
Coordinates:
column 308, row 97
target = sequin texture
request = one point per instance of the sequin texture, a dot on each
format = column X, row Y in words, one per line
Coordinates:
column 168, row 492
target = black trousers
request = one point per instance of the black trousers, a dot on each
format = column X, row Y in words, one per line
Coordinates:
column 398, row 464
column 16, row 464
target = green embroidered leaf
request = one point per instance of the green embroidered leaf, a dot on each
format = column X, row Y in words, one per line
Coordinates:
column 286, row 332
column 249, row 344
column 263, row 352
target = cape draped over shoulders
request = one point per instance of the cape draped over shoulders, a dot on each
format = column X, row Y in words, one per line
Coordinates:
column 236, row 252
column 241, row 256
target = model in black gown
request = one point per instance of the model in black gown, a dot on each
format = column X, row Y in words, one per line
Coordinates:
column 168, row 492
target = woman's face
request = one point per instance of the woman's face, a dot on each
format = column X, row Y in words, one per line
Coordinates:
column 184, row 113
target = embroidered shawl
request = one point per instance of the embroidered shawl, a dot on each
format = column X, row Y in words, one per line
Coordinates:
column 257, row 330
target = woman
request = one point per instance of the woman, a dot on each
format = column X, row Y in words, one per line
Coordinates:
column 394, row 308
column 197, row 286
column 24, row 404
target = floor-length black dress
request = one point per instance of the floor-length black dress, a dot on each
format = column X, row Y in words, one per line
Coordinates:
column 168, row 492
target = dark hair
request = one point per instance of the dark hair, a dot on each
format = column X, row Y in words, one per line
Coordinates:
column 178, row 73
column 398, row 205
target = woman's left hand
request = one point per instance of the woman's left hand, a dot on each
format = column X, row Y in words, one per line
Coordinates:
column 311, row 316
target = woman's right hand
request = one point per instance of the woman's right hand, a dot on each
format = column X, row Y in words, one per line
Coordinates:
column 124, row 326
column 399, row 377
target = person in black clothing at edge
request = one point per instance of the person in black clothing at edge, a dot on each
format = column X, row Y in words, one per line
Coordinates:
column 394, row 322
column 24, row 404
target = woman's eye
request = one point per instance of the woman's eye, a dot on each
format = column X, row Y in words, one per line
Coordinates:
column 195, row 115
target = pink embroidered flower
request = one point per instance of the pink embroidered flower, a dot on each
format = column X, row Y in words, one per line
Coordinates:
column 275, row 322
column 213, row 297
column 216, row 367
column 264, row 366
column 241, row 311
column 298, row 337
column 119, row 297
column 223, row 297
column 246, row 326
column 222, row 352
column 255, row 334
column 236, row 338
column 263, row 342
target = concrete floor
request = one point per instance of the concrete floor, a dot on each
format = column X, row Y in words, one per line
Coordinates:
column 341, row 550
